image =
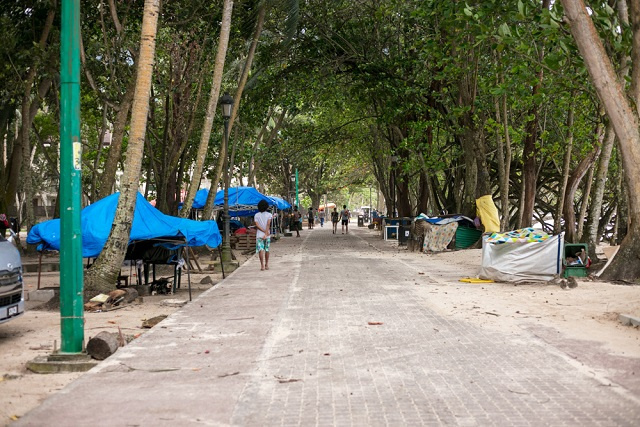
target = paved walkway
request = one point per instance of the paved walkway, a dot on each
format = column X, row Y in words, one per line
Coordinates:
column 332, row 335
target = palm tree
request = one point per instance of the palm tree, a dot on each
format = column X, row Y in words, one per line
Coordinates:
column 208, row 209
column 104, row 273
column 211, row 107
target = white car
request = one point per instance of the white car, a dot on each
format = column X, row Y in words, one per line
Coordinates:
column 11, row 287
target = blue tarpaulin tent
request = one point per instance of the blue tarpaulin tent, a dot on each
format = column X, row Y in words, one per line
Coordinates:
column 280, row 203
column 148, row 223
column 201, row 198
column 243, row 201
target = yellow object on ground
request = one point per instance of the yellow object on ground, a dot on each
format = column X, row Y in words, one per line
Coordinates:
column 100, row 298
column 488, row 213
column 474, row 280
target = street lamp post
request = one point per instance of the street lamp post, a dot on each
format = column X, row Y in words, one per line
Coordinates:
column 227, row 103
column 297, row 194
column 71, row 269
column 370, row 206
column 394, row 165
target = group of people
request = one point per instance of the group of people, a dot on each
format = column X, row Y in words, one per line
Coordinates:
column 343, row 216
column 264, row 218
column 311, row 218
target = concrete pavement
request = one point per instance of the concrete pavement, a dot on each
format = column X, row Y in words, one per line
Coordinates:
column 332, row 335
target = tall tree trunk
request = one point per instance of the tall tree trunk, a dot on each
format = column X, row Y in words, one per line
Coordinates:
column 620, row 207
column 529, row 153
column 13, row 170
column 108, row 177
column 592, row 237
column 519, row 219
column 503, row 179
column 585, row 201
column 572, row 186
column 468, row 142
column 557, row 225
column 594, row 222
column 254, row 150
column 218, row 68
column 483, row 183
column 236, row 105
column 423, row 193
column 506, row 181
column 104, row 273
column 625, row 265
column 27, row 184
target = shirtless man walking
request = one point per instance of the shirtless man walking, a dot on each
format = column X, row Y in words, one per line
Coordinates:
column 344, row 216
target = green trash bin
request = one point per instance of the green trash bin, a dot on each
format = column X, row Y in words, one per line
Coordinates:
column 467, row 236
column 574, row 260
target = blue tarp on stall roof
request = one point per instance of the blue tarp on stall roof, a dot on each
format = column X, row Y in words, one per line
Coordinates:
column 243, row 201
column 148, row 223
column 280, row 202
column 201, row 198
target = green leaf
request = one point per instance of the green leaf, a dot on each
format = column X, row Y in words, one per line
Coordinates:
column 503, row 30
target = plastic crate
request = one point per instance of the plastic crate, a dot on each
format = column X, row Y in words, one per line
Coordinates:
column 570, row 251
column 391, row 232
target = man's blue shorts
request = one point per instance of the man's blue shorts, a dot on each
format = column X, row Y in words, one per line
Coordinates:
column 263, row 244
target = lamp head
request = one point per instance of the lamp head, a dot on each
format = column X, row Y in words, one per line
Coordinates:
column 226, row 102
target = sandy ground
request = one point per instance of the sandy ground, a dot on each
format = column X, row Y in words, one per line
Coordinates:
column 588, row 312
column 582, row 323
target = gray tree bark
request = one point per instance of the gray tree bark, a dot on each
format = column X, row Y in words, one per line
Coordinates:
column 103, row 275
column 625, row 265
column 214, row 94
column 236, row 105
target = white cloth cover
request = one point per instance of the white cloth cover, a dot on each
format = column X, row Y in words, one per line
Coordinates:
column 520, row 261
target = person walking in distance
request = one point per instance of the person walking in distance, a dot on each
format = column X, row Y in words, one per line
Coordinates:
column 345, row 215
column 263, row 235
column 295, row 221
column 334, row 220
column 321, row 217
column 310, row 218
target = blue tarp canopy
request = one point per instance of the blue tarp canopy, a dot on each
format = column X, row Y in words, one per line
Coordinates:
column 243, row 201
column 280, row 203
column 148, row 223
column 201, row 198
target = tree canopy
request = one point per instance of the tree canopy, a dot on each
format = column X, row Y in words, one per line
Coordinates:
column 432, row 103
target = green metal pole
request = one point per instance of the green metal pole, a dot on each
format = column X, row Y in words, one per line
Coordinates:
column 297, row 196
column 71, row 270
